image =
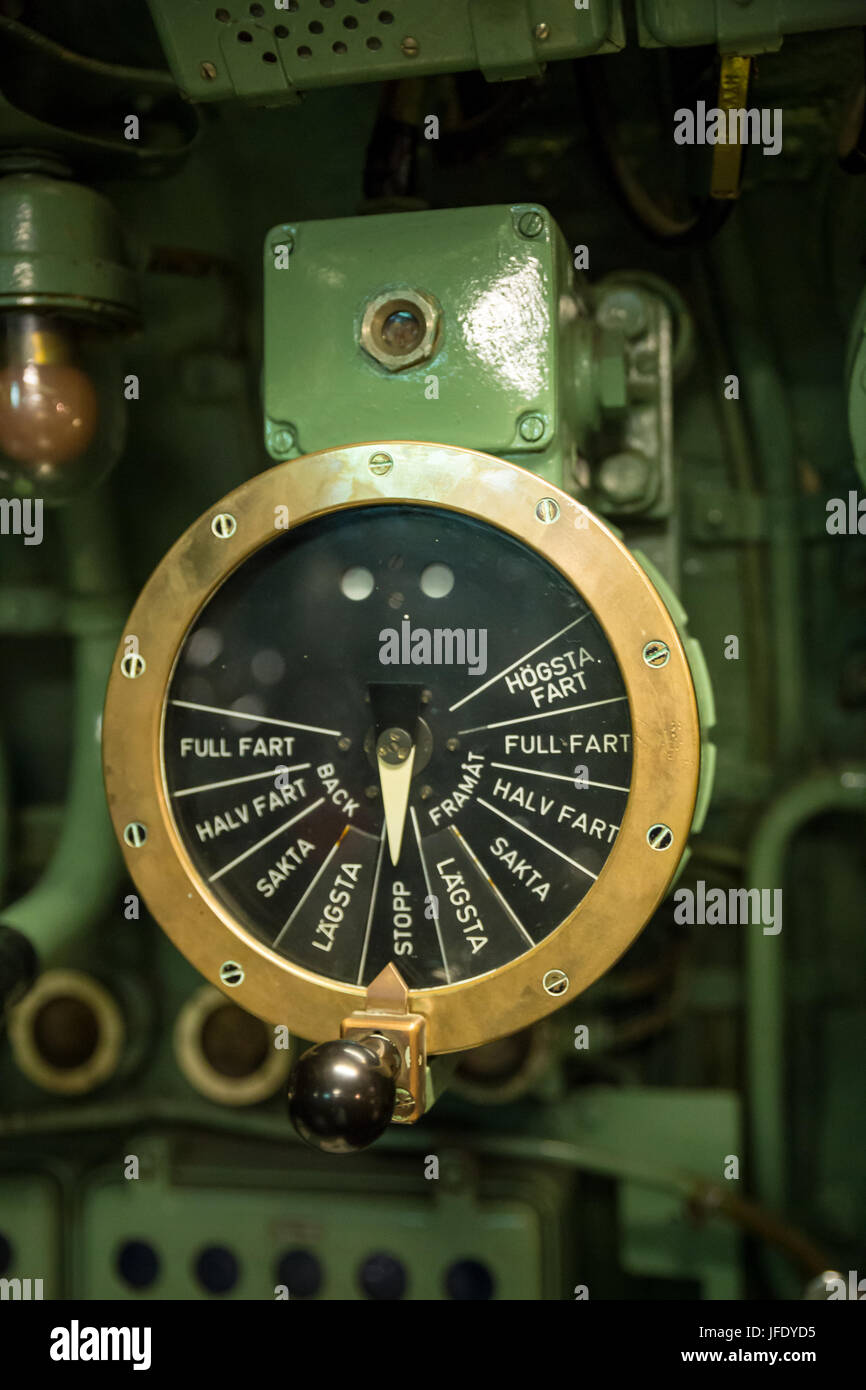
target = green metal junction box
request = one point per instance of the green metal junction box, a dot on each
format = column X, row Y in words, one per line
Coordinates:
column 497, row 376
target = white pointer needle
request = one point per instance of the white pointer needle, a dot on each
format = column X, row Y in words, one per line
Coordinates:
column 395, row 756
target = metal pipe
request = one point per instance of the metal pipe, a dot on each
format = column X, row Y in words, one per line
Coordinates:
column 843, row 790
column 85, row 869
column 769, row 419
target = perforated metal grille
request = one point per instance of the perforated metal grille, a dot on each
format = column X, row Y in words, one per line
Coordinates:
column 313, row 28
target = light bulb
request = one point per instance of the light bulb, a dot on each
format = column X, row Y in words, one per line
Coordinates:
column 48, row 413
column 49, row 408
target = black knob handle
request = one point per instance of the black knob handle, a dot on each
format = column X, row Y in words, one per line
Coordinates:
column 342, row 1093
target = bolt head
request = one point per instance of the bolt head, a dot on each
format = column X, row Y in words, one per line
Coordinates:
column 404, row 1104
column 394, row 747
column 656, row 654
column 380, row 464
column 547, row 510
column 555, row 982
column 530, row 224
column 660, row 836
column 531, row 428
column 401, row 328
column 623, row 310
column 625, row 478
column 223, row 526
column 133, row 665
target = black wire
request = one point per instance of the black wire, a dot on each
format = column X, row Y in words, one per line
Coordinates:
column 710, row 213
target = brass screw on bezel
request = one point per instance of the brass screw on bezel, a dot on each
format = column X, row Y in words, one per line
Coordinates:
column 133, row 665
column 656, row 654
column 556, row 982
column 659, row 836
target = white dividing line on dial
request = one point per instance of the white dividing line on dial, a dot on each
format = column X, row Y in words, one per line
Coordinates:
column 539, row 714
column 525, row 657
column 299, row 904
column 369, row 925
column 532, row 835
column 560, row 777
column 254, row 718
column 236, row 781
column 481, row 869
column 430, row 895
column 273, row 835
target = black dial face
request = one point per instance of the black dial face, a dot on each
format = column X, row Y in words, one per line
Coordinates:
column 397, row 734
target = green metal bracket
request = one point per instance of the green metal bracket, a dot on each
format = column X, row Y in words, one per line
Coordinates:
column 221, row 53
column 504, row 40
column 739, row 26
column 62, row 248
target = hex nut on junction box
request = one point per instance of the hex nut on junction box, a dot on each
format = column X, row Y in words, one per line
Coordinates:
column 401, row 328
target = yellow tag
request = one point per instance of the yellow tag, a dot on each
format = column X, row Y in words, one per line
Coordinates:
column 728, row 158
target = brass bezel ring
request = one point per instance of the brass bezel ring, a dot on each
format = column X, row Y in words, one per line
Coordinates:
column 257, row 1085
column 662, row 705
column 103, row 1062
